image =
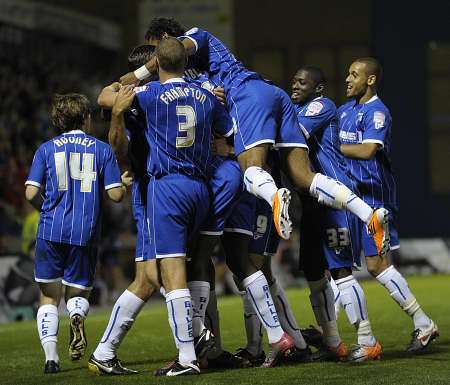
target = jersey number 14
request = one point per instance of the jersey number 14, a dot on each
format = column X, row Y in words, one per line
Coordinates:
column 86, row 175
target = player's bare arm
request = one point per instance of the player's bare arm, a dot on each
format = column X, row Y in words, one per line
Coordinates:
column 108, row 95
column 32, row 195
column 364, row 151
column 117, row 137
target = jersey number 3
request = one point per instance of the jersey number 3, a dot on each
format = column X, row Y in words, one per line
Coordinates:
column 86, row 175
column 188, row 126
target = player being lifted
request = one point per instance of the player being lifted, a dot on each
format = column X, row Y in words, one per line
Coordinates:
column 70, row 171
column 263, row 116
column 365, row 133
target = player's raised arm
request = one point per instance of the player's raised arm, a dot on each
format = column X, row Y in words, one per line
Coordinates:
column 117, row 136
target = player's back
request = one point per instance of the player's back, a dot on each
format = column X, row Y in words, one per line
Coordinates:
column 74, row 167
column 214, row 57
column 180, row 119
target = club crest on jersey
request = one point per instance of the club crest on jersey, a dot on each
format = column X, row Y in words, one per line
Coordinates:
column 314, row 108
column 379, row 119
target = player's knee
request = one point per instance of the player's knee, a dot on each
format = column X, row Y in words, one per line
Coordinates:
column 142, row 288
column 376, row 265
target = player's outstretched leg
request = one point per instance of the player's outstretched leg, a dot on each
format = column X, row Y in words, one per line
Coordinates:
column 322, row 302
column 425, row 330
column 261, row 184
column 354, row 303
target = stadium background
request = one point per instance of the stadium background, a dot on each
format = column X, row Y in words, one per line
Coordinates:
column 57, row 46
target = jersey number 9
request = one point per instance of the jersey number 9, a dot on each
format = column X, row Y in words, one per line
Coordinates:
column 86, row 175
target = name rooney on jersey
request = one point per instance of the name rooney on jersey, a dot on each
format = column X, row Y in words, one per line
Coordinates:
column 178, row 92
column 74, row 140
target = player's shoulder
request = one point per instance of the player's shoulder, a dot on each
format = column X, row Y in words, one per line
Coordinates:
column 148, row 87
column 318, row 106
column 195, row 31
column 342, row 109
column 376, row 106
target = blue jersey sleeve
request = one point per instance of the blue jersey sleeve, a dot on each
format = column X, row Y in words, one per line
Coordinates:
column 38, row 169
column 222, row 123
column 377, row 124
column 315, row 117
column 198, row 36
column 111, row 169
column 140, row 99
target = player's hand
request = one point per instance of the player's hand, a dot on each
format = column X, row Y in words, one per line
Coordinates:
column 128, row 79
column 115, row 87
column 126, row 179
column 220, row 147
column 219, row 92
column 124, row 100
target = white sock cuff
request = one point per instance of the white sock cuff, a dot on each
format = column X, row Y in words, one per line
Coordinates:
column 199, row 284
column 383, row 277
column 343, row 283
column 252, row 278
column 318, row 286
column 78, row 305
column 131, row 300
column 47, row 309
column 177, row 293
column 162, row 291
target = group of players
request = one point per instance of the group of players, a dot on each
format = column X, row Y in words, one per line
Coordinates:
column 206, row 140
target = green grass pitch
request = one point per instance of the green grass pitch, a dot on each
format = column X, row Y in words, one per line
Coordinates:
column 149, row 345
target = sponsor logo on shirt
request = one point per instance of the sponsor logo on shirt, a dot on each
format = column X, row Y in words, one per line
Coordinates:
column 348, row 136
column 379, row 119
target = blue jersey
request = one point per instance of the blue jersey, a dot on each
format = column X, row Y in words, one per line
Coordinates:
column 180, row 119
column 318, row 121
column 370, row 123
column 73, row 168
column 213, row 56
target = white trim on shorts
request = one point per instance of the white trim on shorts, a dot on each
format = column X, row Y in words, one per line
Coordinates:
column 113, row 185
column 211, row 232
column 176, row 255
column 43, row 280
column 396, row 247
column 138, row 259
column 237, row 230
column 76, row 285
column 303, row 145
column 258, row 143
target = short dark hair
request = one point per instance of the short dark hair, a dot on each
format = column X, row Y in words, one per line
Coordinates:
column 316, row 73
column 171, row 55
column 69, row 111
column 373, row 65
column 139, row 56
column 161, row 25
